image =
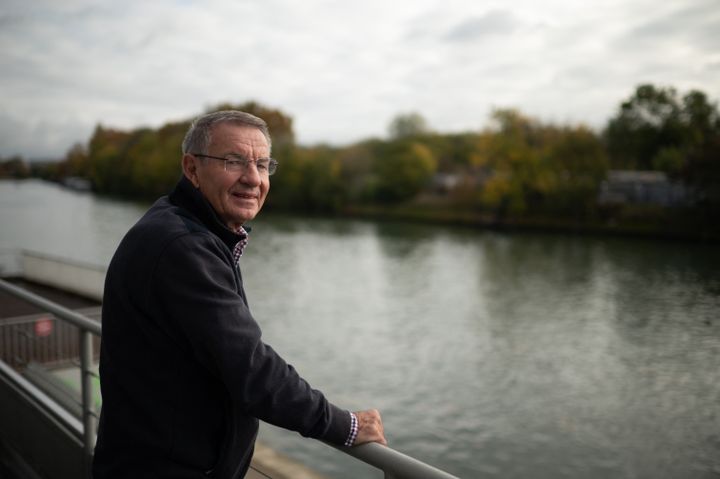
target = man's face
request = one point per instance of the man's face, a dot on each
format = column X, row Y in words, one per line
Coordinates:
column 236, row 196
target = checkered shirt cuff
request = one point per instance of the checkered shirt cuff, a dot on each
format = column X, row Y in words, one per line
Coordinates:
column 353, row 430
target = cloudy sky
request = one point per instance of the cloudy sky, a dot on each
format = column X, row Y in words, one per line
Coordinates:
column 341, row 69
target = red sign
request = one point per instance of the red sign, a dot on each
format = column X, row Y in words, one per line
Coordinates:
column 43, row 327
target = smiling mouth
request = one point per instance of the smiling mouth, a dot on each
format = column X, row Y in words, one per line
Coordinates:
column 245, row 196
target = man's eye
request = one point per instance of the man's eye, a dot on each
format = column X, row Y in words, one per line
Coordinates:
column 235, row 163
column 262, row 165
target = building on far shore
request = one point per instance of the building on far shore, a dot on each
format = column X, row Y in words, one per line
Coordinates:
column 77, row 183
column 642, row 187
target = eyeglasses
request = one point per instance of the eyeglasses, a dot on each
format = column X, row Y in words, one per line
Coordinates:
column 265, row 166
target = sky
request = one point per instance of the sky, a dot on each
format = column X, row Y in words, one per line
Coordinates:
column 342, row 70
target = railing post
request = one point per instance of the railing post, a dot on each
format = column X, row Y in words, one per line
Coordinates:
column 86, row 372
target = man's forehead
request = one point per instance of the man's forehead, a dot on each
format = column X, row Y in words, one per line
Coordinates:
column 224, row 133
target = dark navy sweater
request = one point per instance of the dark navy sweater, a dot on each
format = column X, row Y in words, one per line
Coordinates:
column 185, row 375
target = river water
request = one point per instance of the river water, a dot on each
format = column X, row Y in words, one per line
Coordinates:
column 489, row 355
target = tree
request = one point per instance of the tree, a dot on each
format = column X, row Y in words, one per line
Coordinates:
column 356, row 169
column 576, row 163
column 407, row 125
column 509, row 154
column 106, row 166
column 401, row 169
column 532, row 168
column 279, row 124
column 656, row 129
column 645, row 124
column 14, row 167
column 145, row 162
column 76, row 161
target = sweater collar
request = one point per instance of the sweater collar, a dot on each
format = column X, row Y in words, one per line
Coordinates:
column 186, row 196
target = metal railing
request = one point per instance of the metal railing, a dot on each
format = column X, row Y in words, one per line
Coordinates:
column 21, row 339
column 394, row 464
column 86, row 328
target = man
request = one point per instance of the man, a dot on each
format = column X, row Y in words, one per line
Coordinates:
column 185, row 375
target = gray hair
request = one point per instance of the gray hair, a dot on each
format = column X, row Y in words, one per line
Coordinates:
column 198, row 137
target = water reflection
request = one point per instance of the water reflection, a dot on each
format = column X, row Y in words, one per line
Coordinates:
column 518, row 356
column 51, row 219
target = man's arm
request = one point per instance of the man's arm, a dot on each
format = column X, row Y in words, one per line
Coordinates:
column 195, row 292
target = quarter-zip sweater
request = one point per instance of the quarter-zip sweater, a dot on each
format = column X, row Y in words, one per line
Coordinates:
column 185, row 374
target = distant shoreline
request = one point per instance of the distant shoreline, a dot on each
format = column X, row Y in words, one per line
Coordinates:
column 657, row 229
column 530, row 225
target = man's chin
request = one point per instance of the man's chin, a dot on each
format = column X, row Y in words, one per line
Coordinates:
column 242, row 217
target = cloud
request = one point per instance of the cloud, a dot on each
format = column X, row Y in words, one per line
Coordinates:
column 342, row 70
column 494, row 22
column 46, row 139
column 695, row 26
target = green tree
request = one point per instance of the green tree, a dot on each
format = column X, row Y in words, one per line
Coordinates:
column 106, row 168
column 407, row 125
column 528, row 168
column 453, row 151
column 279, row 124
column 401, row 169
column 356, row 170
column 14, row 167
column 287, row 184
column 657, row 129
column 702, row 167
column 577, row 164
column 509, row 155
column 649, row 121
column 322, row 187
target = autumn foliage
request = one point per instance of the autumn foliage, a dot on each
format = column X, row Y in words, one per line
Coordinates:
column 518, row 167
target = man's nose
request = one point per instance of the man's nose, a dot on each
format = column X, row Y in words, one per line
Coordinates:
column 250, row 174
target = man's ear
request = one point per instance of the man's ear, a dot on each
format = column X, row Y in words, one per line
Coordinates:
column 190, row 165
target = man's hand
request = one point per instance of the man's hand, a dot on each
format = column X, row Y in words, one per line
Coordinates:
column 370, row 428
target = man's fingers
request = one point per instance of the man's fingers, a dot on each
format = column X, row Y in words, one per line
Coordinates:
column 370, row 427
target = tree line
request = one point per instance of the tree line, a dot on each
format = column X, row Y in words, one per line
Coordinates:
column 517, row 169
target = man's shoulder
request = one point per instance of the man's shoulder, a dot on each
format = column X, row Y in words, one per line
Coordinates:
column 165, row 219
column 162, row 225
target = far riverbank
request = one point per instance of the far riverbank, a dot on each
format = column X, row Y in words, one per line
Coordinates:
column 663, row 227
column 639, row 221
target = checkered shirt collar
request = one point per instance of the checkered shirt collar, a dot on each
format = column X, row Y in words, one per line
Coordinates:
column 240, row 245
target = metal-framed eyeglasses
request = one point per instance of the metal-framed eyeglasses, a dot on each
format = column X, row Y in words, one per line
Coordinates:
column 265, row 166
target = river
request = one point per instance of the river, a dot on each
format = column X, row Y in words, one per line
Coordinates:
column 490, row 355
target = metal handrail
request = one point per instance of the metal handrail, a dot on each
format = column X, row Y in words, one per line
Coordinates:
column 79, row 320
column 86, row 327
column 394, row 464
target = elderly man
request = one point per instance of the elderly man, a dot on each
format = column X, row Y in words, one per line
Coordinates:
column 185, row 375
